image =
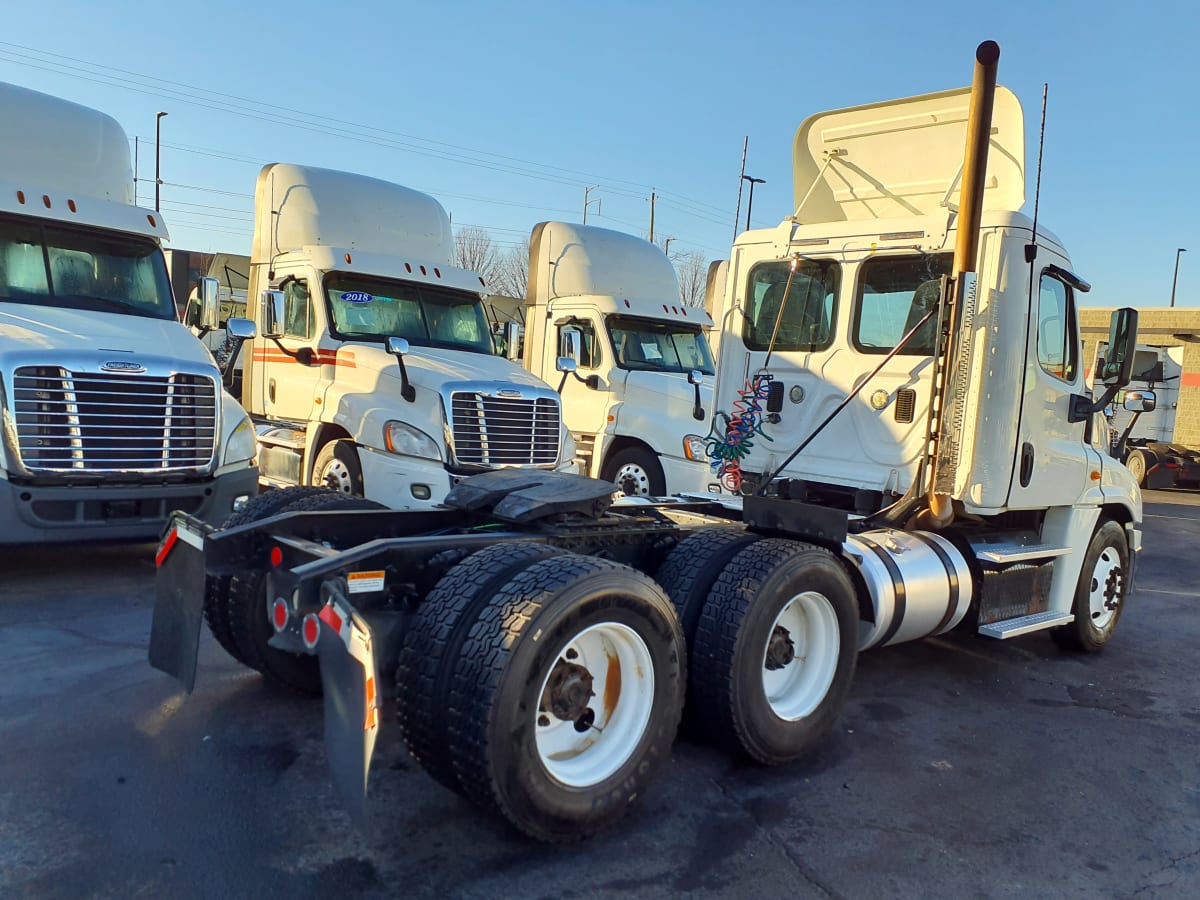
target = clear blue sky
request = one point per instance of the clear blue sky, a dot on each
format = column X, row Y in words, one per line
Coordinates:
column 506, row 112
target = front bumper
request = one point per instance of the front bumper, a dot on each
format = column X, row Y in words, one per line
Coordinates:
column 31, row 514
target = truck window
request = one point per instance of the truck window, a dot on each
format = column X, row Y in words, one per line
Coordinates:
column 47, row 265
column 589, row 346
column 368, row 308
column 894, row 293
column 809, row 305
column 657, row 346
column 1057, row 345
column 297, row 309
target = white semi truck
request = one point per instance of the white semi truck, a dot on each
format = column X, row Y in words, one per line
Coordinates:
column 643, row 378
column 542, row 638
column 373, row 370
column 112, row 413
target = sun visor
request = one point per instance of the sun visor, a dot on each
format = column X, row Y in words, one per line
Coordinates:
column 903, row 158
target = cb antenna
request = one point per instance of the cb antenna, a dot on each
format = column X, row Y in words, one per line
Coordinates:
column 1031, row 247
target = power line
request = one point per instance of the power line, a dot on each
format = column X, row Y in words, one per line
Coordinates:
column 179, row 91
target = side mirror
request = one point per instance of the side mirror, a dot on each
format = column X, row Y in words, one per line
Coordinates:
column 1140, row 401
column 241, row 329
column 1122, row 341
column 272, row 314
column 570, row 345
column 566, row 364
column 209, row 303
column 695, row 376
column 398, row 346
column 512, row 340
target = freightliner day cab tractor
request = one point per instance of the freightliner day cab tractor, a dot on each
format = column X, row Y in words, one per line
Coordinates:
column 610, row 301
column 541, row 638
column 373, row 370
column 111, row 414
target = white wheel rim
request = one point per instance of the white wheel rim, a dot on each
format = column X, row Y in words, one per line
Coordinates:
column 1103, row 599
column 795, row 688
column 1137, row 468
column 622, row 684
column 336, row 475
column 633, row 480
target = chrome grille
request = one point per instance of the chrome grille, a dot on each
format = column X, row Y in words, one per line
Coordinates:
column 84, row 422
column 504, row 431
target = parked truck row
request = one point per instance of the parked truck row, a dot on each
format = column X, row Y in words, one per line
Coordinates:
column 899, row 424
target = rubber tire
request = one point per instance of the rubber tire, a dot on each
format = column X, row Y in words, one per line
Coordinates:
column 343, row 451
column 688, row 575
column 494, row 693
column 727, row 653
column 216, row 589
column 1135, row 462
column 638, row 456
column 433, row 641
column 251, row 625
column 1081, row 634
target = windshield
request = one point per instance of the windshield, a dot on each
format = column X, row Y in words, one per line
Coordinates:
column 649, row 345
column 378, row 308
column 48, row 265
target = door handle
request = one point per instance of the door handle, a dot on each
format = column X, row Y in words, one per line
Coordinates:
column 1026, row 463
column 271, row 392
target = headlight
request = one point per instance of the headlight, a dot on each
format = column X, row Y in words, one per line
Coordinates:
column 242, row 443
column 568, row 445
column 403, row 439
column 695, row 447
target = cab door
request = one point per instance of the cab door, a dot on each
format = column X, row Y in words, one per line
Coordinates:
column 1052, row 460
column 288, row 385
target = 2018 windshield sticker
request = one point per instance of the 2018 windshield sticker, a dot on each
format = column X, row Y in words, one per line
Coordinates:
column 357, row 297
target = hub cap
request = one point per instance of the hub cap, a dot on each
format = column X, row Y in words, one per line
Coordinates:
column 595, row 704
column 336, row 475
column 1108, row 583
column 800, row 656
column 633, row 480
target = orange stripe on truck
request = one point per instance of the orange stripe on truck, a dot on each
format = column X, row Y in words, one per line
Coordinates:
column 320, row 357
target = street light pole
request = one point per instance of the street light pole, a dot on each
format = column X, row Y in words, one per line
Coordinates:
column 750, row 202
column 1175, row 279
column 157, row 157
column 586, row 202
column 667, row 246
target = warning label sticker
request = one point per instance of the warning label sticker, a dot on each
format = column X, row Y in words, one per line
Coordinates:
column 365, row 582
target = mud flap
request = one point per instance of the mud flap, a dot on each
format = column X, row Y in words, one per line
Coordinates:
column 349, row 680
column 178, row 602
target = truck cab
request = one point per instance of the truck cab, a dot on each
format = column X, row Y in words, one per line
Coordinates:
column 374, row 369
column 113, row 413
column 642, row 384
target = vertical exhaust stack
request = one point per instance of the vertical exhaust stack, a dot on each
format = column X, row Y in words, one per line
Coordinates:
column 956, row 368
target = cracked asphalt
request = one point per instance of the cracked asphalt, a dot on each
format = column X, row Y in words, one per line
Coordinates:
column 962, row 767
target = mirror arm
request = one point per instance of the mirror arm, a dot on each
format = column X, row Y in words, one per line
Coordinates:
column 407, row 391
column 1082, row 406
column 286, row 352
column 697, row 409
column 234, row 351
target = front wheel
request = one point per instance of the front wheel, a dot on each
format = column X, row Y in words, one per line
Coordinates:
column 775, row 650
column 1100, row 594
column 337, row 468
column 637, row 472
column 566, row 696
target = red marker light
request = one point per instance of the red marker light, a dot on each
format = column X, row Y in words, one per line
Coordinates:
column 276, row 557
column 279, row 615
column 311, row 630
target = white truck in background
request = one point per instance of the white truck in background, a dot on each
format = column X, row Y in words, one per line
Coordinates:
column 643, row 379
column 113, row 414
column 374, row 370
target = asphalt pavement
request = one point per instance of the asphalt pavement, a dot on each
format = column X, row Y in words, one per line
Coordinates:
column 962, row 767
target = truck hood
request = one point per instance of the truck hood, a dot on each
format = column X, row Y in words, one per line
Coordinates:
column 431, row 367
column 34, row 332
